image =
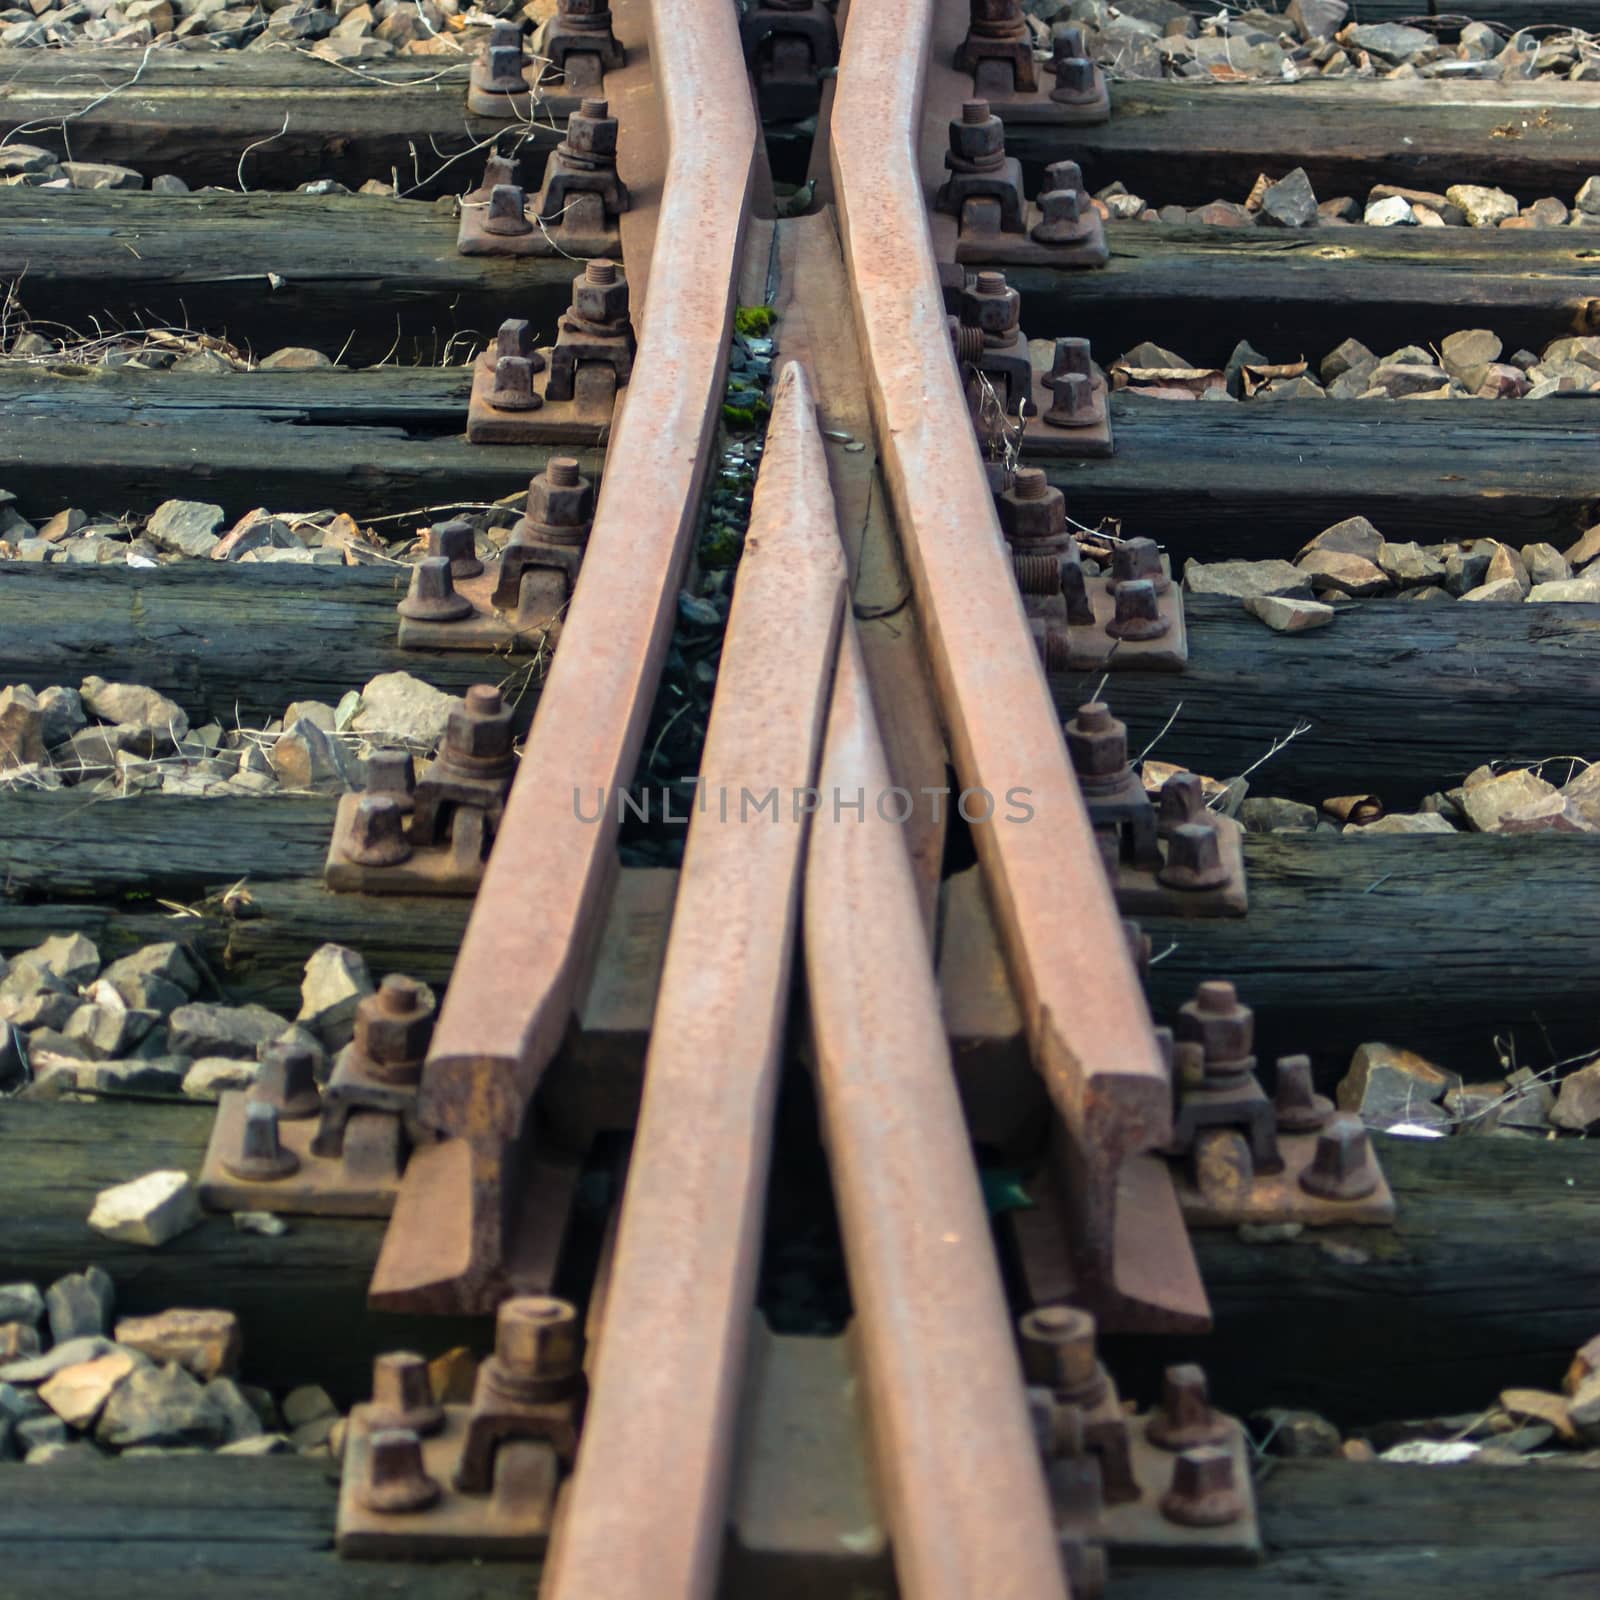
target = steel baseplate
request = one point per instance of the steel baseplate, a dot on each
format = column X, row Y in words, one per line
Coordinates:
column 1090, row 649
column 1217, row 1188
column 586, row 419
column 1140, row 892
column 533, row 626
column 361, row 1182
column 512, row 1523
column 807, row 1519
column 421, row 1479
column 1088, row 435
column 977, row 238
column 584, row 229
column 1240, row 1156
column 995, row 62
column 1138, row 1531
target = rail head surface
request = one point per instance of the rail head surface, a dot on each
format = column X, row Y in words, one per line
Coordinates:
column 646, row 1511
column 958, row 1461
column 1065, row 947
column 543, row 896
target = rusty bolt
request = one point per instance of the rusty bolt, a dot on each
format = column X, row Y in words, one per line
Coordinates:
column 600, row 294
column 500, row 169
column 1299, row 1108
column 396, row 1482
column 507, row 213
column 505, row 60
column 1204, row 1493
column 402, row 1395
column 1137, row 560
column 1066, row 42
column 1217, row 1021
column 1072, row 401
column 457, row 542
column 1194, row 858
column 377, row 832
column 512, row 386
column 989, row 303
column 1138, row 616
column 966, row 342
column 1343, row 1166
column 393, row 773
column 432, row 596
column 1076, row 78
column 287, row 1082
column 1062, row 221
column 478, row 731
column 1185, row 1420
column 1031, row 509
column 997, row 18
column 514, row 337
column 1064, row 175
column 977, row 139
column 1071, row 357
column 560, row 498
column 260, row 1158
column 592, row 133
column 538, row 1348
column 1075, row 589
column 393, row 1027
column 1059, row 1351
column 1182, row 800
column 1098, row 745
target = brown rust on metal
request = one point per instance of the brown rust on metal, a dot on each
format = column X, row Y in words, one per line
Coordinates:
column 542, row 903
column 647, row 1508
column 957, row 1462
column 1086, row 1019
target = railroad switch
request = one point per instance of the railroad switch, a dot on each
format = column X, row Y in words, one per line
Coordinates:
column 286, row 1145
column 572, row 52
column 788, row 45
column 575, row 210
column 1174, row 1481
column 428, row 1480
column 429, row 835
column 565, row 393
column 515, row 601
column 1245, row 1157
column 982, row 216
column 998, row 53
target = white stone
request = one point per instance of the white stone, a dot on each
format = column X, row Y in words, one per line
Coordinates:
column 1285, row 615
column 149, row 1210
column 1482, row 207
column 1403, row 822
column 1486, row 804
column 403, row 708
column 1391, row 213
column 209, row 1077
column 1567, row 589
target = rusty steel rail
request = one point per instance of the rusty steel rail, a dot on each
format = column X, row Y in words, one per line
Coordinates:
column 538, row 913
column 1087, row 1023
column 958, row 1462
column 647, row 1507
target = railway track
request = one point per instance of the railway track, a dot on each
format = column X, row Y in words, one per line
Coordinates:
column 639, row 1066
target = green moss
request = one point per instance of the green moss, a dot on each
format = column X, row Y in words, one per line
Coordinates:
column 754, row 321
